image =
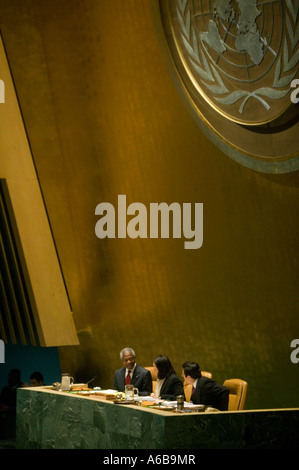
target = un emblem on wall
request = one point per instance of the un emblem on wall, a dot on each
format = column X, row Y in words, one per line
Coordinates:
column 236, row 61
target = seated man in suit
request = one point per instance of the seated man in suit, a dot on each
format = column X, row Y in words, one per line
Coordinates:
column 205, row 391
column 133, row 374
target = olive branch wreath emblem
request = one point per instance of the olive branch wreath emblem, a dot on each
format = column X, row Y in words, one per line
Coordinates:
column 211, row 77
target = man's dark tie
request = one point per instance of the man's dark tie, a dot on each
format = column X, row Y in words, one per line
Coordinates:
column 128, row 378
column 192, row 393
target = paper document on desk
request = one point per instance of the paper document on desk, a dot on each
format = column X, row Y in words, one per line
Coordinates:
column 156, row 400
column 148, row 398
column 192, row 406
column 186, row 404
column 172, row 403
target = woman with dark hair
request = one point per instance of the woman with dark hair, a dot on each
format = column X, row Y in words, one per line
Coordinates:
column 169, row 386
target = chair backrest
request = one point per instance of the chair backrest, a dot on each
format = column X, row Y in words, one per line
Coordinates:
column 237, row 393
column 206, row 374
column 154, row 376
column 188, row 387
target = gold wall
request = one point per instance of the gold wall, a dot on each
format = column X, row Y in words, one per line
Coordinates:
column 104, row 118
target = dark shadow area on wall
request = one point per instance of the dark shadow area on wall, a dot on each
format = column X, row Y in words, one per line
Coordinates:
column 289, row 179
column 27, row 359
column 30, row 359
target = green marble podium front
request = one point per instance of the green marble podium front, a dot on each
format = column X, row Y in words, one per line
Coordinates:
column 47, row 419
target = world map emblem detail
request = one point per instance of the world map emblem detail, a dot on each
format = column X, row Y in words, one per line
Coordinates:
column 237, row 61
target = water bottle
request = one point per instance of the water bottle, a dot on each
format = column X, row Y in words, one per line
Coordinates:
column 180, row 403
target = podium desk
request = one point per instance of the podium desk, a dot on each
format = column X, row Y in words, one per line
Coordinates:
column 48, row 419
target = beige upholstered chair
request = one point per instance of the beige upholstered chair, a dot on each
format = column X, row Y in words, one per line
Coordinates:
column 188, row 387
column 237, row 393
column 154, row 376
column 206, row 374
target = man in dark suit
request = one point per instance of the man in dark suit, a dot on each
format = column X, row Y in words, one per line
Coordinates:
column 205, row 390
column 133, row 374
